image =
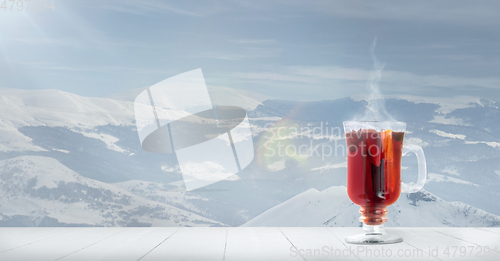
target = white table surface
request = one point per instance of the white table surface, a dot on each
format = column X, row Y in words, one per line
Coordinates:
column 235, row 243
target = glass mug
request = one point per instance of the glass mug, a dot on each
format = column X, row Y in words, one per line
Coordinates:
column 374, row 152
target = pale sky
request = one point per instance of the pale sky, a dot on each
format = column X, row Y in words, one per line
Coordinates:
column 286, row 49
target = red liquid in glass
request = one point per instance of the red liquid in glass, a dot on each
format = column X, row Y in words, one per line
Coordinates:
column 374, row 171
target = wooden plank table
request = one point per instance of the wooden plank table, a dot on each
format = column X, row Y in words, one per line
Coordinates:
column 243, row 243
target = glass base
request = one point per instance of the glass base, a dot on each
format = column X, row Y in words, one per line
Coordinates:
column 373, row 235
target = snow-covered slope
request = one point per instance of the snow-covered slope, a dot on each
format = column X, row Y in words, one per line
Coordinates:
column 332, row 207
column 219, row 96
column 38, row 190
column 164, row 193
column 96, row 138
column 54, row 108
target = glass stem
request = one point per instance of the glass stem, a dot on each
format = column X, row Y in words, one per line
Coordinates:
column 373, row 215
column 374, row 229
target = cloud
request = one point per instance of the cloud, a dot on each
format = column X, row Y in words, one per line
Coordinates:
column 246, row 48
column 270, row 76
column 337, row 73
column 81, row 42
column 226, row 56
column 125, row 9
column 351, row 81
column 241, row 53
column 158, row 8
column 40, row 40
column 459, row 11
column 410, row 79
column 100, row 69
column 254, row 41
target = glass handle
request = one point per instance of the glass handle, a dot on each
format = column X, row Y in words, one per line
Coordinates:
column 422, row 169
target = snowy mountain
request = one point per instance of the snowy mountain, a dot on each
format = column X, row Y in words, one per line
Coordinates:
column 460, row 139
column 332, row 207
column 219, row 96
column 94, row 141
column 96, row 138
column 56, row 109
column 40, row 191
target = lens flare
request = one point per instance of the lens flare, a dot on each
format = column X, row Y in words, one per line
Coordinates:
column 279, row 143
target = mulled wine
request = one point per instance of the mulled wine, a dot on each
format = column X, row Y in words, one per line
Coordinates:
column 374, row 171
column 374, row 152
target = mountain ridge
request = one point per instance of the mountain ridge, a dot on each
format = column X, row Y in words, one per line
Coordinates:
column 49, row 190
column 332, row 207
column 96, row 138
